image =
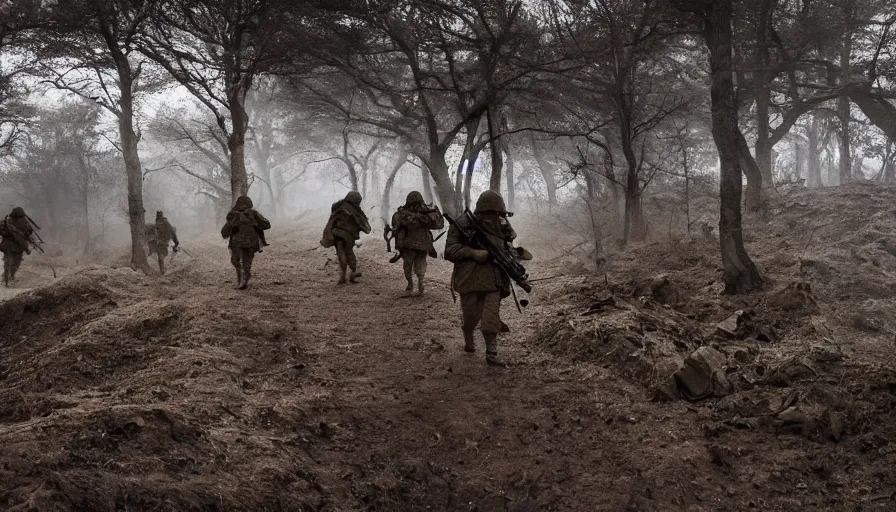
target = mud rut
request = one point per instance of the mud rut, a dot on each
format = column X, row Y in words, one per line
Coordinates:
column 385, row 411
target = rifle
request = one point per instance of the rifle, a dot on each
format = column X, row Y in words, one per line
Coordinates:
column 18, row 233
column 478, row 236
column 36, row 229
column 387, row 231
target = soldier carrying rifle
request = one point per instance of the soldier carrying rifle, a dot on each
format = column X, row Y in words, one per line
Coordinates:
column 16, row 231
column 480, row 246
column 412, row 225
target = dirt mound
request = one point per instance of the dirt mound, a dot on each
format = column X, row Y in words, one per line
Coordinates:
column 810, row 355
column 92, row 368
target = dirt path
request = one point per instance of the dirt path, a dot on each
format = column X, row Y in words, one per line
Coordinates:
column 183, row 394
column 388, row 413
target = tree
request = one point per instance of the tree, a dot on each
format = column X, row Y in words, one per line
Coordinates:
column 92, row 55
column 217, row 49
column 740, row 273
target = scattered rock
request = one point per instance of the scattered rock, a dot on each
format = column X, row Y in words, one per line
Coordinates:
column 600, row 305
column 659, row 288
column 794, row 297
column 835, row 423
column 734, row 325
column 793, row 415
column 703, row 375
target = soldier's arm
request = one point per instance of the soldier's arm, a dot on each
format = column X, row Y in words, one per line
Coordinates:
column 455, row 249
column 261, row 222
column 174, row 235
column 397, row 219
column 435, row 220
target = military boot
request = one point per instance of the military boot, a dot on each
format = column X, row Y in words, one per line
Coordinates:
column 491, row 351
column 420, row 286
column 239, row 280
column 342, row 279
column 469, row 342
column 353, row 277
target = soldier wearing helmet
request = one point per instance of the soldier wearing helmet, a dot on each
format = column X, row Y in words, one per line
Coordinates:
column 244, row 229
column 347, row 221
column 480, row 283
column 158, row 236
column 16, row 234
column 413, row 223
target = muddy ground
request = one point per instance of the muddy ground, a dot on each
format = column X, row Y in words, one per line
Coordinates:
column 125, row 392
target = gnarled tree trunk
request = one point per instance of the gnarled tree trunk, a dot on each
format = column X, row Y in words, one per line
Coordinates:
column 740, row 274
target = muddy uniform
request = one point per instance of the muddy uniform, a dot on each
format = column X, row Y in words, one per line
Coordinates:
column 413, row 239
column 347, row 221
column 158, row 236
column 242, row 228
column 481, row 284
column 16, row 232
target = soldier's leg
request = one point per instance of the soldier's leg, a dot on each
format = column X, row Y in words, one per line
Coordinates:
column 6, row 264
column 161, row 263
column 248, row 257
column 420, row 269
column 491, row 326
column 408, row 262
column 236, row 256
column 14, row 264
column 343, row 259
column 352, row 261
column 471, row 314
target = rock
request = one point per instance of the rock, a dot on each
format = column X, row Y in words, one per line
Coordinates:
column 733, row 326
column 820, row 326
column 703, row 375
column 795, row 296
column 765, row 333
column 792, row 415
column 835, row 423
column 663, row 290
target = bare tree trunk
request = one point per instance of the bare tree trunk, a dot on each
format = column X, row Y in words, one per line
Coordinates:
column 889, row 162
column 495, row 146
column 400, row 160
column 427, row 185
column 753, row 173
column 799, row 160
column 444, row 189
column 236, row 143
column 843, row 111
column 472, row 132
column 762, row 95
column 468, row 177
column 813, row 174
column 547, row 173
column 740, row 274
column 634, row 227
column 880, row 111
column 129, row 142
column 511, row 186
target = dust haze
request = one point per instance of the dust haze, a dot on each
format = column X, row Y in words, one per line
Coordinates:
column 706, row 189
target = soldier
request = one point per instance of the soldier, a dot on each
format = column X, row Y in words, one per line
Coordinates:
column 16, row 238
column 482, row 284
column 413, row 239
column 158, row 236
column 242, row 228
column 344, row 227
